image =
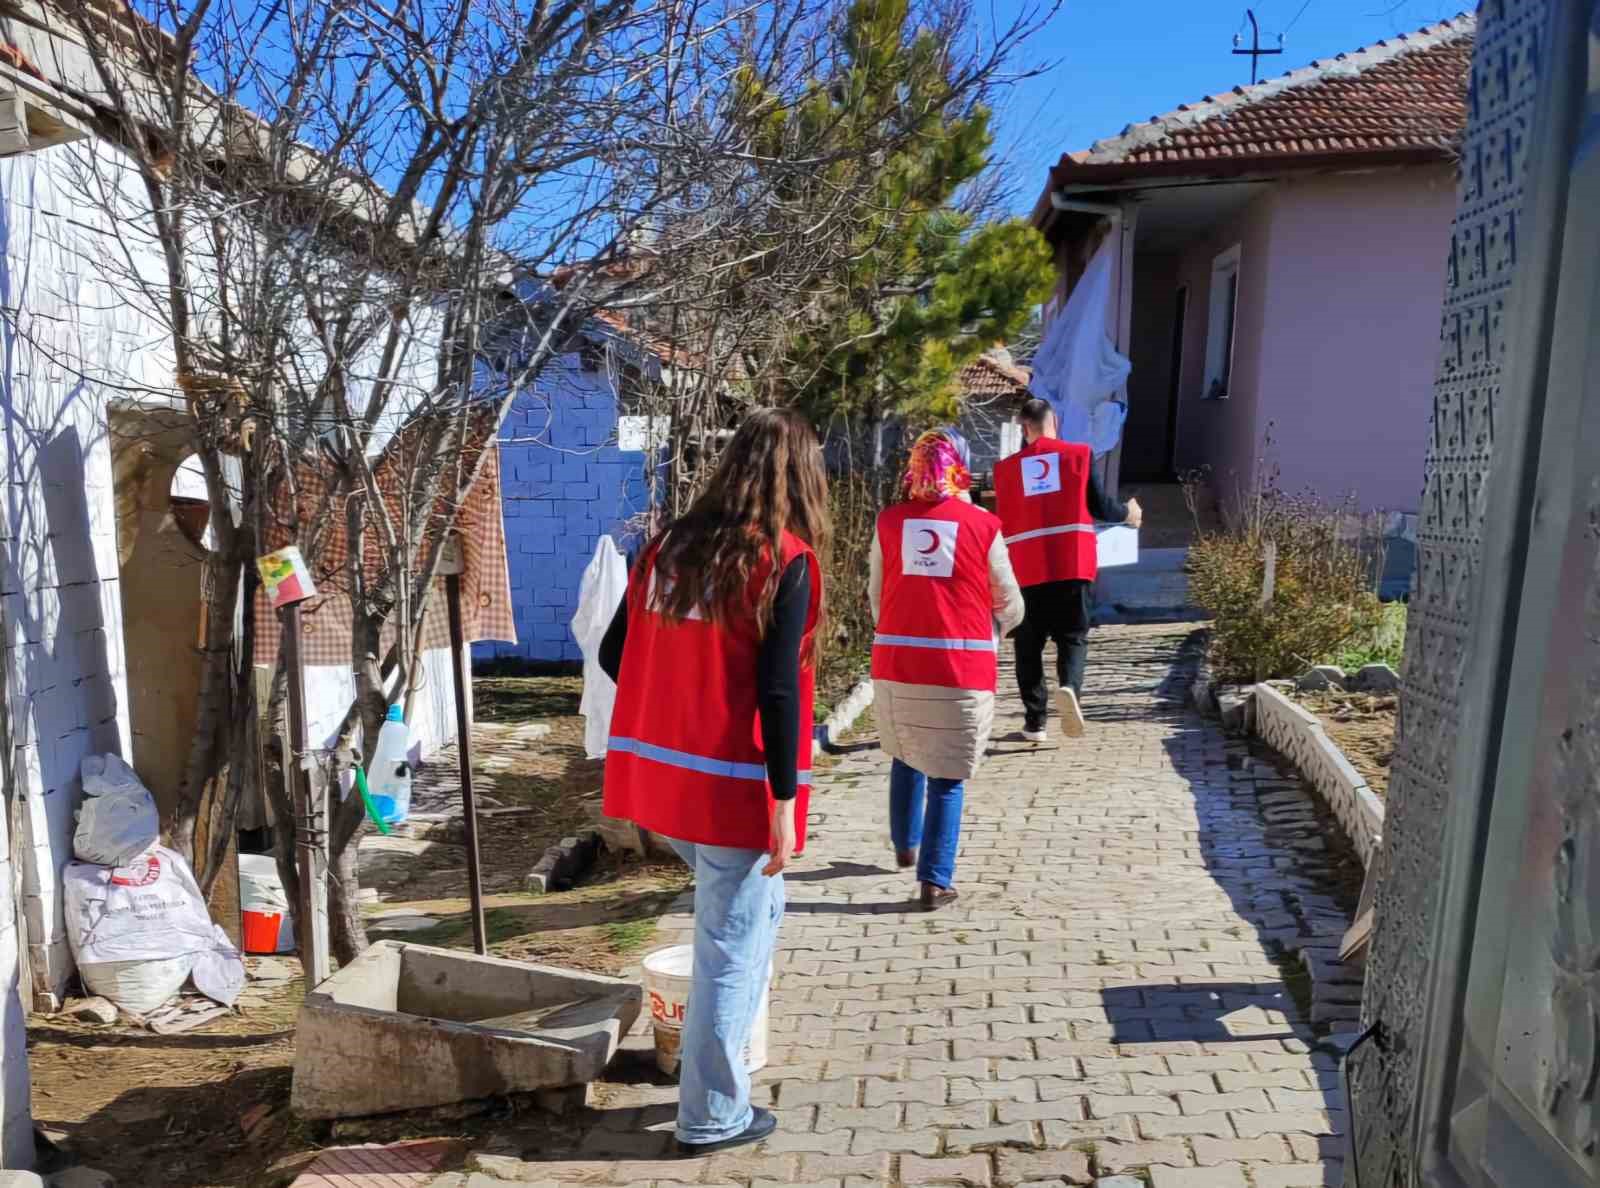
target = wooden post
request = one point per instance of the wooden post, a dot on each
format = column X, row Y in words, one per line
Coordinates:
column 460, row 666
column 310, row 825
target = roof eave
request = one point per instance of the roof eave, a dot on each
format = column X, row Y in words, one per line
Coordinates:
column 1069, row 176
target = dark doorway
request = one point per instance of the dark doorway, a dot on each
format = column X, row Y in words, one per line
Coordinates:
column 1180, row 313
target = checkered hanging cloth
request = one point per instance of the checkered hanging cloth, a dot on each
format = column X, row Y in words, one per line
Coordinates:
column 325, row 619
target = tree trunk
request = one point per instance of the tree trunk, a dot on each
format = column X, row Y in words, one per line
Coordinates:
column 347, row 933
column 276, row 775
column 205, row 774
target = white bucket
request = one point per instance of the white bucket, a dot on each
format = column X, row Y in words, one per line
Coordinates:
column 668, row 974
column 266, row 919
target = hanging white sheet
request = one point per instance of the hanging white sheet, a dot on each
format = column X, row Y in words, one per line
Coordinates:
column 605, row 583
column 1078, row 368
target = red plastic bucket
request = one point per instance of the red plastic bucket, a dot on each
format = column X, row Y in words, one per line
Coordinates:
column 261, row 931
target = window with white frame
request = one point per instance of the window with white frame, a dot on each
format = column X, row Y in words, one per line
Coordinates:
column 1224, row 307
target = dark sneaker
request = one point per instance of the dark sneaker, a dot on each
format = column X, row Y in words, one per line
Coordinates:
column 935, row 897
column 906, row 858
column 762, row 1124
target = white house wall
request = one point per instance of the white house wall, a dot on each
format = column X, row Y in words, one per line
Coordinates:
column 60, row 599
column 73, row 310
column 60, row 604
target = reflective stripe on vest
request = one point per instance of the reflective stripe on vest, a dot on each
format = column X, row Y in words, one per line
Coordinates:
column 703, row 764
column 1057, row 530
column 935, row 642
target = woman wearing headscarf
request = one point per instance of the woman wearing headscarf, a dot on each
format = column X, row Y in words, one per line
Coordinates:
column 940, row 578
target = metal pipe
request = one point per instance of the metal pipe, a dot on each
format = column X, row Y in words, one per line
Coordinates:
column 1105, row 210
column 460, row 664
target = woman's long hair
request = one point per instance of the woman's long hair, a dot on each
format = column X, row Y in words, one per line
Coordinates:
column 771, row 478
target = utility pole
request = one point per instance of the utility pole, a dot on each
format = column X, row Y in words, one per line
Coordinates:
column 1255, row 53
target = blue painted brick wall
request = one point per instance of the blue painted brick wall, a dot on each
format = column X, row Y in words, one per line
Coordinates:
column 562, row 483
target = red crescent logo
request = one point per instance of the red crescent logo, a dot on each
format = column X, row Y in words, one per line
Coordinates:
column 1044, row 468
column 933, row 543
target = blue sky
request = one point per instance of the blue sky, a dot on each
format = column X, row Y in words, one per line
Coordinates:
column 1120, row 61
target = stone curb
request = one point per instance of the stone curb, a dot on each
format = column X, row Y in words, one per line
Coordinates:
column 843, row 717
column 564, row 863
column 1297, row 734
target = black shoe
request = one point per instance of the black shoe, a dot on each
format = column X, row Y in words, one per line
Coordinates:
column 762, row 1124
column 905, row 858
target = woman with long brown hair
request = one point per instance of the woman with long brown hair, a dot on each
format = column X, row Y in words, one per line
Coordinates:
column 714, row 652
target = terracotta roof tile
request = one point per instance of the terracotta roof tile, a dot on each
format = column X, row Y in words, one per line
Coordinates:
column 1405, row 94
column 987, row 378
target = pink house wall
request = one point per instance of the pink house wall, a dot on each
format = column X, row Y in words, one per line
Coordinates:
column 1351, row 338
column 1223, row 434
column 1336, row 341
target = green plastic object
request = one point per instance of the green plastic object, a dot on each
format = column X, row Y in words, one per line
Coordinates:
column 366, row 799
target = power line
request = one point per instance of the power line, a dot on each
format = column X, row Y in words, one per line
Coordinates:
column 1297, row 17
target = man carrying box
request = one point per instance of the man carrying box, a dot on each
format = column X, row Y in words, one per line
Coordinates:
column 1049, row 499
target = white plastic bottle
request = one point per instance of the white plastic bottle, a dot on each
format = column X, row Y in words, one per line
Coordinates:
column 389, row 780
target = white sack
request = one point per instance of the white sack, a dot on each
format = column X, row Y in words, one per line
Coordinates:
column 118, row 820
column 219, row 970
column 1078, row 367
column 605, row 584
column 137, row 931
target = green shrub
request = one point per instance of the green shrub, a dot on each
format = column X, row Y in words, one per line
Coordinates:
column 1386, row 644
column 848, row 649
column 1321, row 596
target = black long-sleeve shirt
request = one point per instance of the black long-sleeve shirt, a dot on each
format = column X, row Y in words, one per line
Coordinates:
column 1101, row 506
column 777, row 674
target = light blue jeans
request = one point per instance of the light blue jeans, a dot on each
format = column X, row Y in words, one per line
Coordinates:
column 935, row 836
column 737, row 910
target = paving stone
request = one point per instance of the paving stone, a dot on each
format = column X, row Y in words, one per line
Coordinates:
column 971, row 1115
column 1311, row 1122
column 1231, row 1176
column 873, row 1142
column 884, row 1117
column 1019, row 1134
column 1207, row 1103
column 1014, row 1167
column 1101, row 1106
column 804, row 1093
column 973, row 1169
column 1062, row 1110
column 822, row 1167
column 1164, row 1126
column 1304, row 1175
column 1122, row 1156
column 1211, row 1151
column 1064, row 1134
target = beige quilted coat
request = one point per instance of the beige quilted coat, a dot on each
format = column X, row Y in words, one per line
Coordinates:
column 942, row 732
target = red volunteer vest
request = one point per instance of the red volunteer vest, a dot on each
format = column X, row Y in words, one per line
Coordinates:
column 685, row 758
column 936, row 614
column 1042, row 495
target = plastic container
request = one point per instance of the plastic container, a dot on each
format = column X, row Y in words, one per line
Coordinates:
column 668, row 974
column 389, row 777
column 263, row 906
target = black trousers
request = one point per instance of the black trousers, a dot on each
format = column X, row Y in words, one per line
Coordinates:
column 1056, row 611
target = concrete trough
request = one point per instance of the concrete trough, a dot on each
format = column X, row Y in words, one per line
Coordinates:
column 407, row 1027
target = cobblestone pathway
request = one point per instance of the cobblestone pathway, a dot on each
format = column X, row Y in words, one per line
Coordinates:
column 1109, row 996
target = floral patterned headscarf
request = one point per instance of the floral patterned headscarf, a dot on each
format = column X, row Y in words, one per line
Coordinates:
column 938, row 466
